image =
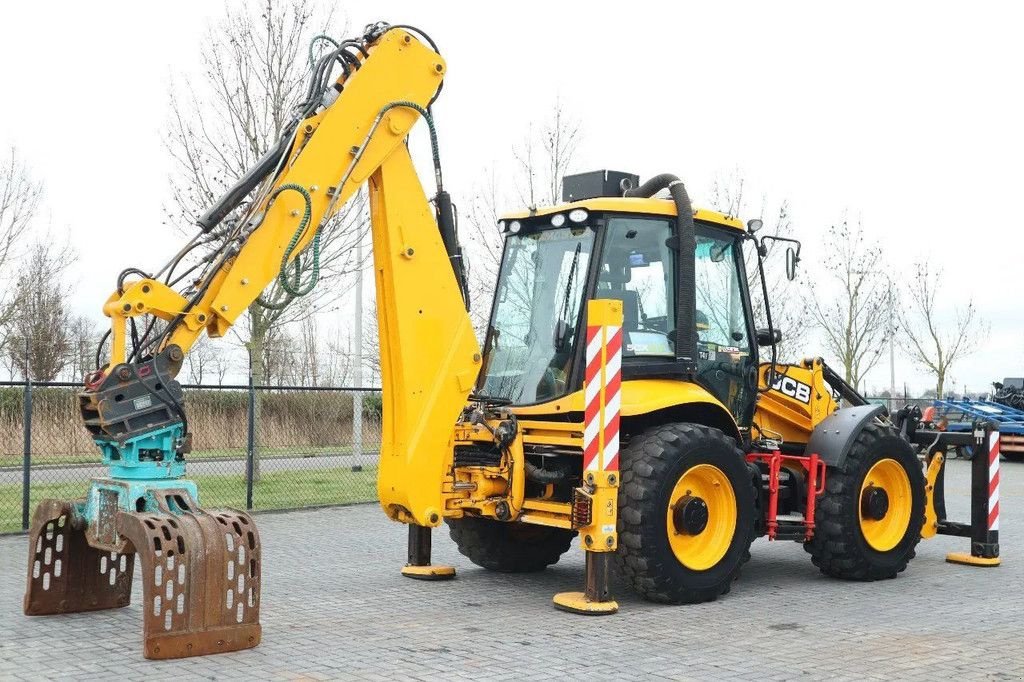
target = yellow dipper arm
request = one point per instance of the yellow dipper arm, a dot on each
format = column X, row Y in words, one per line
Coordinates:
column 429, row 354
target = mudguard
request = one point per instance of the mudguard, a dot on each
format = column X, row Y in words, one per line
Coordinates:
column 834, row 436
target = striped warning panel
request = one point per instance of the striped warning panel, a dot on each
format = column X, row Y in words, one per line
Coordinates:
column 601, row 383
column 993, row 481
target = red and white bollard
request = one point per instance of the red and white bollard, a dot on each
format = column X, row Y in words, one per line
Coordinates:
column 984, row 502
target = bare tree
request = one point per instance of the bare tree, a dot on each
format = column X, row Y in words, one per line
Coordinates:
column 19, row 202
column 933, row 344
column 83, row 337
column 789, row 307
column 255, row 67
column 199, row 360
column 544, row 156
column 40, row 345
column 854, row 319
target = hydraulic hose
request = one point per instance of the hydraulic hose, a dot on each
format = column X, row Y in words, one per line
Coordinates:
column 545, row 476
column 685, row 242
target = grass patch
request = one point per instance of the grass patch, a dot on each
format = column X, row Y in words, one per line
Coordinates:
column 276, row 490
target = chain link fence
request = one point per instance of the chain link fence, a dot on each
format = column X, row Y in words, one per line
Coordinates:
column 254, row 447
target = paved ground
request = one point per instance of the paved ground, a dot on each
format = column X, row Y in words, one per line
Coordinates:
column 334, row 606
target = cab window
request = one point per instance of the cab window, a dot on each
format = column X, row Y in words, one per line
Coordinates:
column 637, row 269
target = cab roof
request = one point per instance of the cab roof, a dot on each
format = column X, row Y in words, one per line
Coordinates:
column 629, row 205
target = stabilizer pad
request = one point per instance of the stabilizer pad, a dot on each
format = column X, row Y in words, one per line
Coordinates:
column 428, row 572
column 969, row 560
column 577, row 602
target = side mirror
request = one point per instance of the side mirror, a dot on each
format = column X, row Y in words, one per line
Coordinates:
column 792, row 260
column 764, row 338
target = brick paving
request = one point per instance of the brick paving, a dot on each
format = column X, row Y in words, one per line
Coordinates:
column 335, row 607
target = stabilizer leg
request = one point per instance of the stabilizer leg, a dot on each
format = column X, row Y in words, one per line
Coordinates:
column 596, row 600
column 419, row 566
column 984, row 526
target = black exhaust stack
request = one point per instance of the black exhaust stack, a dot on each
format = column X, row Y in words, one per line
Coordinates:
column 685, row 245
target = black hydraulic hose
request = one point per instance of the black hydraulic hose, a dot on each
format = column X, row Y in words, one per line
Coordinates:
column 544, row 476
column 686, row 249
column 248, row 182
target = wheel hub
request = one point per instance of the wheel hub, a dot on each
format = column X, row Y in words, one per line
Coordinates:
column 690, row 517
column 874, row 503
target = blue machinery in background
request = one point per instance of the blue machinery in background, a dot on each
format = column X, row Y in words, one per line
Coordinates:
column 962, row 414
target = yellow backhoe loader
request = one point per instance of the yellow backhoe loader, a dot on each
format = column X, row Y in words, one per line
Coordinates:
column 620, row 395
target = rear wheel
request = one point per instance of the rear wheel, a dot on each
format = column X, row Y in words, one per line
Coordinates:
column 509, row 547
column 685, row 513
column 868, row 522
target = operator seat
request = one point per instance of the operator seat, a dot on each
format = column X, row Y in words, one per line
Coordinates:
column 619, row 272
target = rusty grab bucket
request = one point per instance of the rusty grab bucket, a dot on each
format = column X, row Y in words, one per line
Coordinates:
column 200, row 569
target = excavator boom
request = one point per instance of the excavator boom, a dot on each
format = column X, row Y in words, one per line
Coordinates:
column 349, row 133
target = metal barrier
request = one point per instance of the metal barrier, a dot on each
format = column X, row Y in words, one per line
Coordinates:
column 254, row 447
column 983, row 525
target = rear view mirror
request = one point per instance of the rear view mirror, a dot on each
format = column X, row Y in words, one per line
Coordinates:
column 792, row 260
column 766, row 338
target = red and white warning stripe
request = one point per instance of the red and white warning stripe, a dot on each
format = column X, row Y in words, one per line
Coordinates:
column 601, row 383
column 993, row 481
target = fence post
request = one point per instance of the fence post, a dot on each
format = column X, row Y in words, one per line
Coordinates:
column 26, row 464
column 250, row 449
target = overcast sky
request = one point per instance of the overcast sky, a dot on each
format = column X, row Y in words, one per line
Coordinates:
column 906, row 114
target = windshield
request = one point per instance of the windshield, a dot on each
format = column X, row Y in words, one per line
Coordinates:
column 536, row 313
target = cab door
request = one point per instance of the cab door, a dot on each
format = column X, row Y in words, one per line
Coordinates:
column 727, row 354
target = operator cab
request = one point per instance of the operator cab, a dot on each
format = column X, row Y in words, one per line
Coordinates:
column 608, row 247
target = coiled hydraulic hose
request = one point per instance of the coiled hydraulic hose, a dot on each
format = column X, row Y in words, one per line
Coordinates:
column 295, row 288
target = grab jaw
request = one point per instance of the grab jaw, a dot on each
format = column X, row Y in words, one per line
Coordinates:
column 200, row 569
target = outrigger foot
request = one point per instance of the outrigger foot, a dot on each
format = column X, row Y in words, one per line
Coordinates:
column 419, row 566
column 596, row 600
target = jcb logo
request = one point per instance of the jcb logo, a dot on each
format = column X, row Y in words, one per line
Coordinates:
column 793, row 388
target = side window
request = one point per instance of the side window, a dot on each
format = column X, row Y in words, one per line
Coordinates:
column 723, row 341
column 721, row 323
column 637, row 269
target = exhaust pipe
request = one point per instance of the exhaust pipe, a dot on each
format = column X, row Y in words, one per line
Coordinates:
column 685, row 245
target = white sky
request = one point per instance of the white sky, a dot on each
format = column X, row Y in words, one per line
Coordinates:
column 908, row 114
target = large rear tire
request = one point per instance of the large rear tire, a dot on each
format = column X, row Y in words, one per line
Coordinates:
column 868, row 522
column 686, row 505
column 509, row 547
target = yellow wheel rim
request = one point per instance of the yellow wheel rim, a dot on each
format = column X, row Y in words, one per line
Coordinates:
column 701, row 545
column 882, row 534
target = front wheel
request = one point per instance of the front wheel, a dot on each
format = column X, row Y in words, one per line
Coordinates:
column 508, row 547
column 868, row 522
column 686, row 505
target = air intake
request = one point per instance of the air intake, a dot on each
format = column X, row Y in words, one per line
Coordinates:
column 603, row 183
